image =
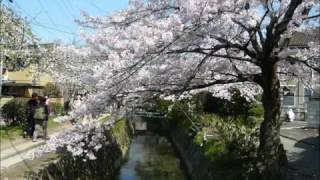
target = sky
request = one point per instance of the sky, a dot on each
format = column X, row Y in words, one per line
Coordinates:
column 53, row 20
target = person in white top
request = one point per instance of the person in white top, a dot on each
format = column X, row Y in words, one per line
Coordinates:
column 290, row 115
column 76, row 103
column 47, row 100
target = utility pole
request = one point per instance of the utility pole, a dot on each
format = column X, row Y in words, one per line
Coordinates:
column 1, row 56
column 1, row 46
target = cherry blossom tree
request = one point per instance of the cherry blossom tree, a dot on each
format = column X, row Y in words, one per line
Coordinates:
column 175, row 46
column 17, row 42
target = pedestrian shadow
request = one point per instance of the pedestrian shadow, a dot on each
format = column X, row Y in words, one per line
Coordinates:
column 305, row 162
column 314, row 142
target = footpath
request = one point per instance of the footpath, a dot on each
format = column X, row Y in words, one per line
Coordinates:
column 14, row 154
column 303, row 150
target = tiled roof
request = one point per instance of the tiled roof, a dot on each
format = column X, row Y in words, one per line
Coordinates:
column 302, row 39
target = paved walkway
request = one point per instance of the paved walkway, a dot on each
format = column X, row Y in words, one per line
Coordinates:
column 16, row 151
column 303, row 150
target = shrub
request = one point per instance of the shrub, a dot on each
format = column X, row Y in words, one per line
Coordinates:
column 232, row 148
column 214, row 150
column 56, row 108
column 160, row 105
column 14, row 112
column 180, row 114
column 51, row 90
column 256, row 110
column 198, row 139
column 237, row 107
column 239, row 104
column 206, row 103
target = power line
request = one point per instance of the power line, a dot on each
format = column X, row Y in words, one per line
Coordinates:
column 67, row 3
column 46, row 12
column 65, row 9
column 95, row 6
column 52, row 28
column 35, row 22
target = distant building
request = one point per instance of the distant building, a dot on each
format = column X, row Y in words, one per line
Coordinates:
column 24, row 82
column 303, row 100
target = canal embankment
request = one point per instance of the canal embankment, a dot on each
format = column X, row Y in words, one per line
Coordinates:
column 195, row 162
column 105, row 166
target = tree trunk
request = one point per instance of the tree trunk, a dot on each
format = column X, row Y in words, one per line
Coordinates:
column 272, row 160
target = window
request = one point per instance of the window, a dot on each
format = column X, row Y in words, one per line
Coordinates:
column 288, row 100
column 288, row 96
column 307, row 92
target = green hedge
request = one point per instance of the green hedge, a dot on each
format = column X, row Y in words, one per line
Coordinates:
column 14, row 112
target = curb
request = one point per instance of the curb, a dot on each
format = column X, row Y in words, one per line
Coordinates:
column 297, row 140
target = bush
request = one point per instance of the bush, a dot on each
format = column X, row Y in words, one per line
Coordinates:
column 198, row 138
column 56, row 108
column 180, row 114
column 51, row 90
column 206, row 103
column 239, row 104
column 232, row 148
column 14, row 112
column 160, row 105
column 256, row 110
column 214, row 150
column 237, row 107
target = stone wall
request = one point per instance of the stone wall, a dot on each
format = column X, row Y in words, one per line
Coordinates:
column 105, row 167
column 197, row 165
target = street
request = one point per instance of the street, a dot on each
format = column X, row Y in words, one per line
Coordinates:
column 303, row 150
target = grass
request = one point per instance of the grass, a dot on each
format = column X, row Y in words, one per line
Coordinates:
column 11, row 132
column 51, row 124
column 15, row 132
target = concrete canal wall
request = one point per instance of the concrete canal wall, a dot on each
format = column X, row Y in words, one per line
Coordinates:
column 197, row 165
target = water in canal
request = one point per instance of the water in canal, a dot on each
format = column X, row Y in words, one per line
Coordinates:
column 151, row 157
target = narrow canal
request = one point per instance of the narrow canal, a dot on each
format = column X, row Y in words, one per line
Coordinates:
column 151, row 157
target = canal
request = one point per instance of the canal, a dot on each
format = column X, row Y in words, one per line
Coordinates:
column 151, row 157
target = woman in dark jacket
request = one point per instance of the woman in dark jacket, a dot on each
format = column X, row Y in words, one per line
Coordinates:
column 41, row 117
column 31, row 106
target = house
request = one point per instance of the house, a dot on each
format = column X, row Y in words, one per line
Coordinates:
column 303, row 100
column 24, row 82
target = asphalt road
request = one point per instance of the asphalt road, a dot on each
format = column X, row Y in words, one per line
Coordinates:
column 303, row 151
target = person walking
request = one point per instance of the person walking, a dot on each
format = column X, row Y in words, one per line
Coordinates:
column 41, row 117
column 77, row 102
column 31, row 106
column 75, row 106
column 47, row 100
column 290, row 115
